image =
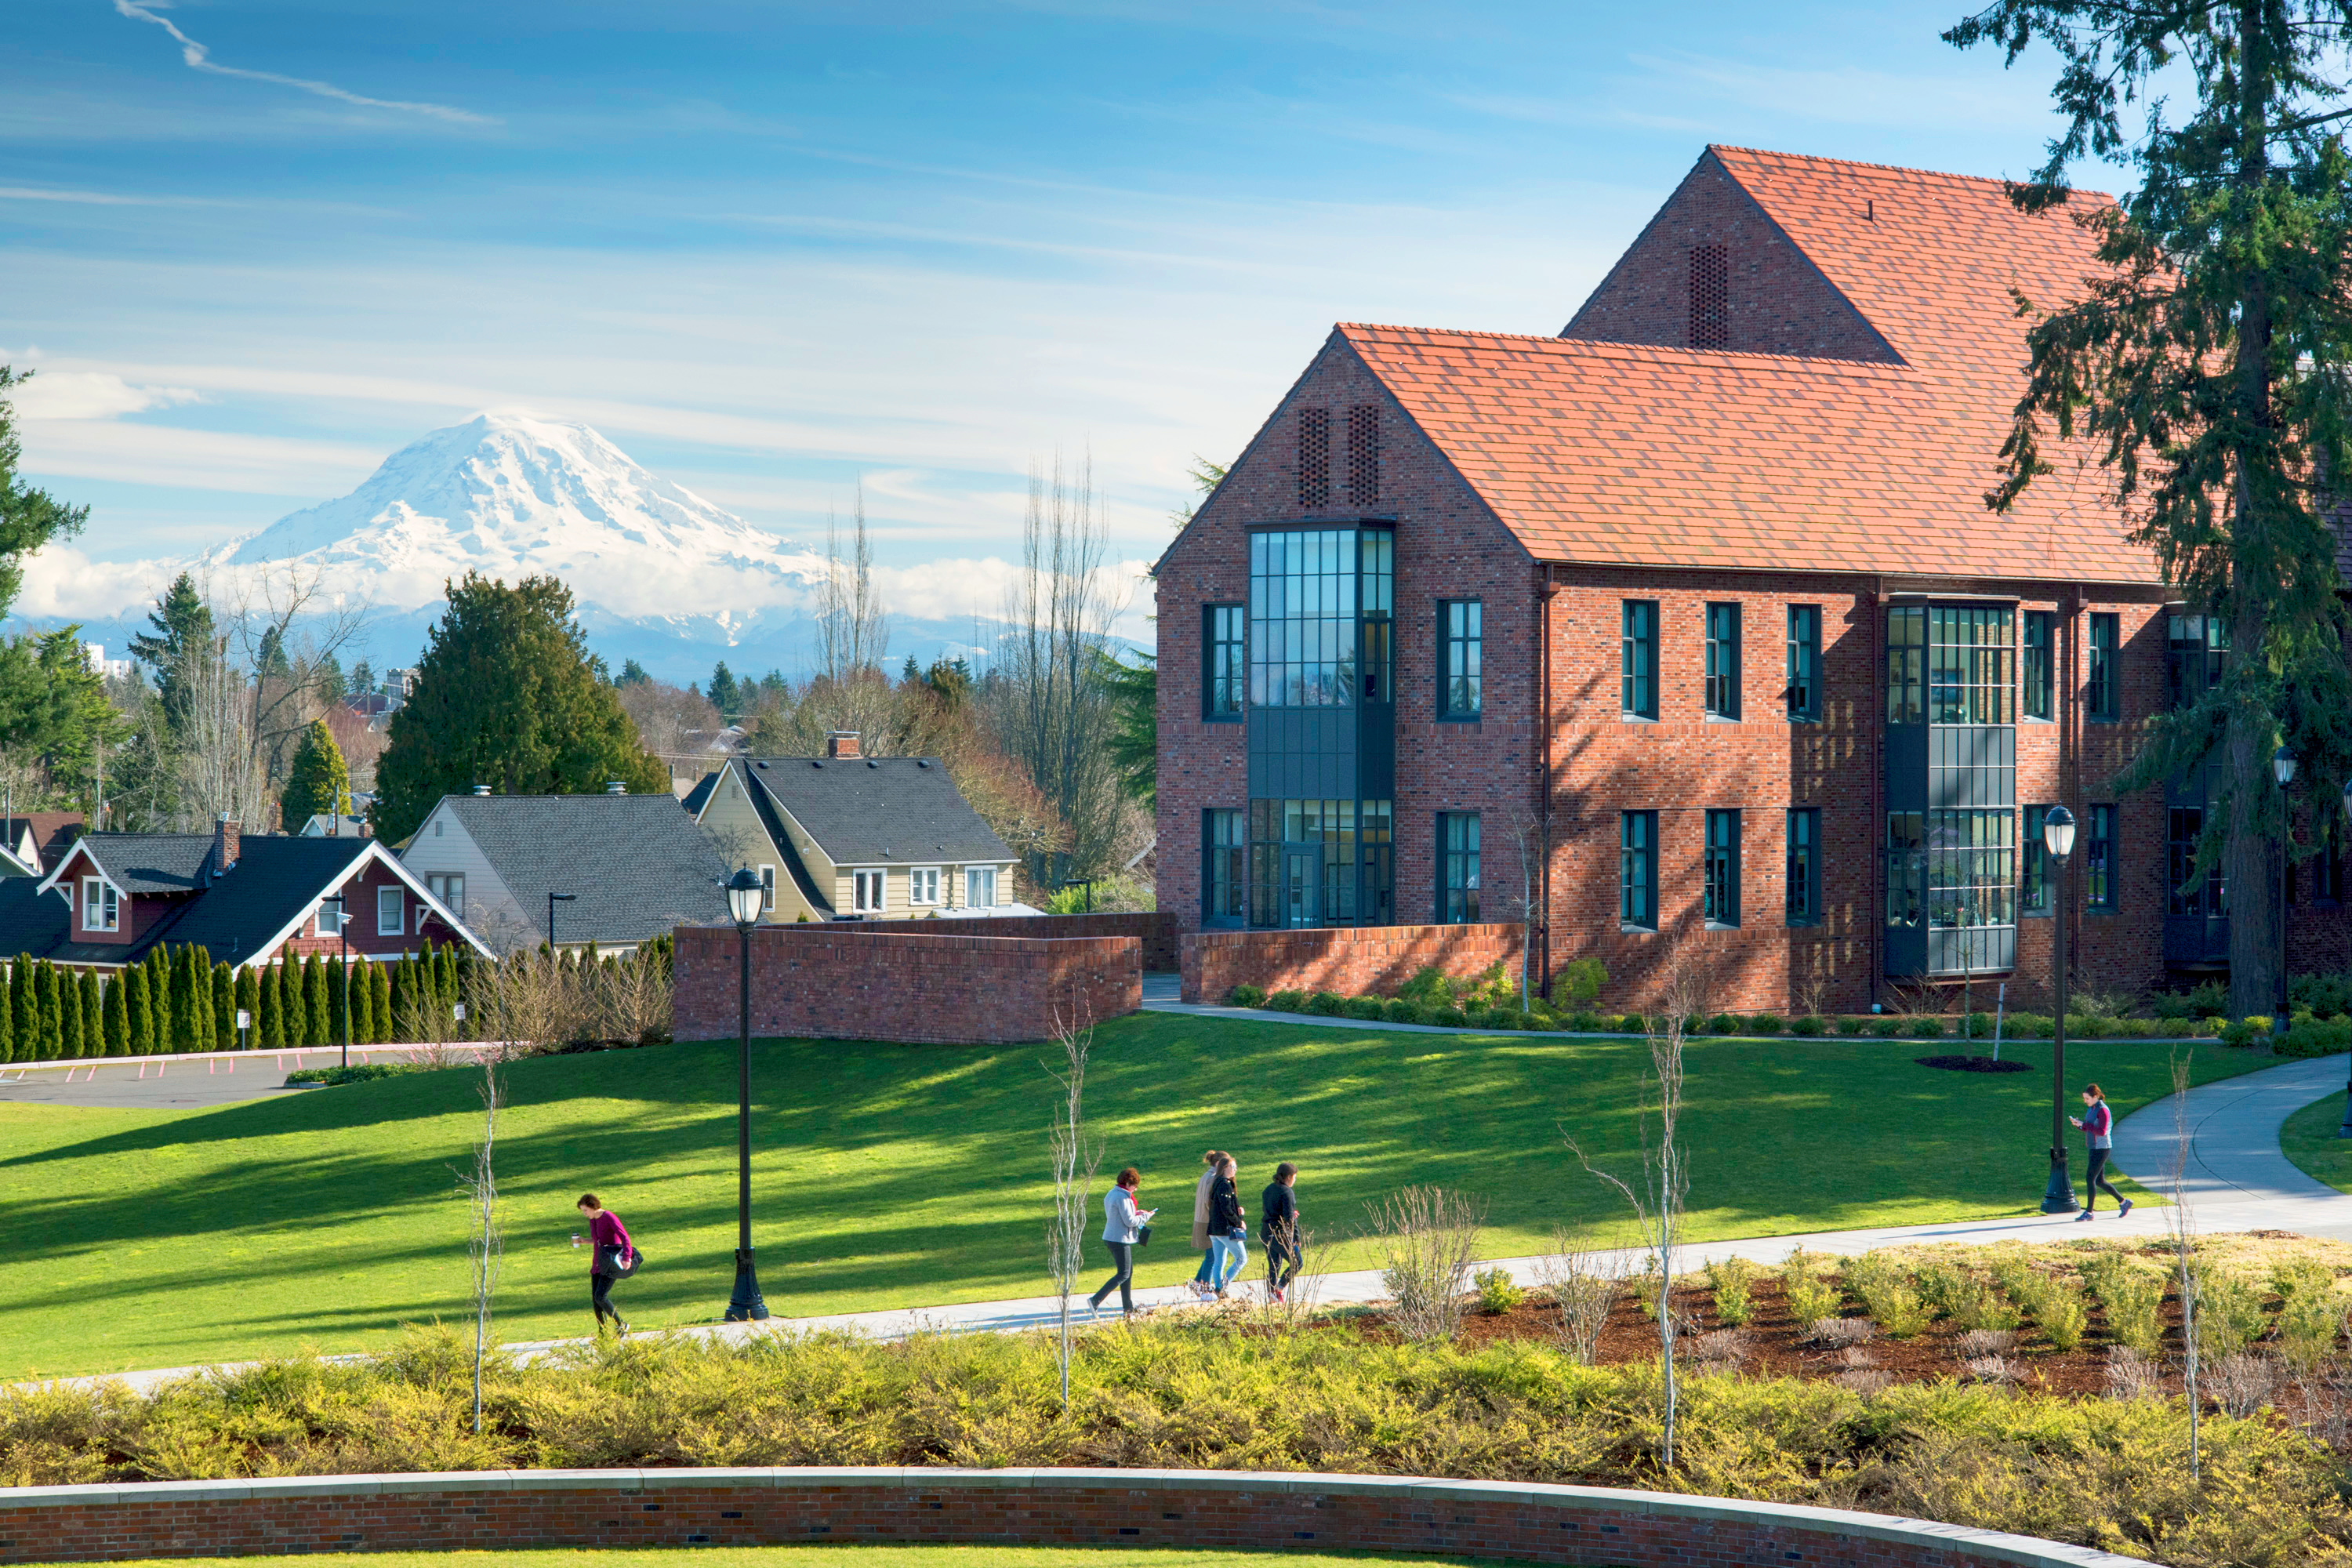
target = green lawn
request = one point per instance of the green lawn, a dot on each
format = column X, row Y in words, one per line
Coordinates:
column 2309, row 1140
column 891, row 1176
column 880, row 1556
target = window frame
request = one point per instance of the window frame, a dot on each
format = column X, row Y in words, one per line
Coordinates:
column 319, row 918
column 971, row 872
column 2099, row 828
column 1807, row 647
column 1720, row 667
column 438, row 885
column 1224, row 867
column 767, row 890
column 2037, row 892
column 1719, row 867
column 1631, row 683
column 857, row 887
column 1802, row 865
column 2102, row 670
column 1458, row 902
column 1471, row 642
column 107, row 907
column 399, row 926
column 2037, row 668
column 1219, row 671
column 1637, row 869
column 923, row 887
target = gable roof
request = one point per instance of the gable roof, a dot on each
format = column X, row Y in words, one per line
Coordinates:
column 1645, row 455
column 763, row 807
column 635, row 865
column 142, row 862
column 52, row 832
column 879, row 811
column 31, row 922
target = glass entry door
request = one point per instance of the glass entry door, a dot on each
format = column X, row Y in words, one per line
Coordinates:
column 1302, row 885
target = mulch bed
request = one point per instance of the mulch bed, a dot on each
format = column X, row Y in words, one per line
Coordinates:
column 1972, row 1063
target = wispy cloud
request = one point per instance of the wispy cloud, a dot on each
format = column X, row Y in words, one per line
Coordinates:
column 199, row 57
column 104, row 198
column 91, row 395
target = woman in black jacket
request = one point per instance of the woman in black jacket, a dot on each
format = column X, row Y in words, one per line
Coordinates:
column 1278, row 1228
column 1228, row 1232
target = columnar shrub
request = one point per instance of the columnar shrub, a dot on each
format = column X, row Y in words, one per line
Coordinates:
column 385, row 1030
column 224, row 999
column 68, row 1015
column 93, row 1016
column 115, row 1020
column 138, row 1011
column 45, row 982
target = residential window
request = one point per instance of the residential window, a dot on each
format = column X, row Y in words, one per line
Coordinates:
column 1804, row 692
column 2327, row 868
column 1637, row 869
column 1319, row 617
column 2196, row 654
column 1638, row 686
column 1225, row 882
column 451, row 890
column 2041, row 686
column 980, row 887
column 1462, row 639
column 2100, row 693
column 391, row 912
column 2099, row 859
column 867, row 888
column 1722, row 867
column 2184, row 826
column 1224, row 672
column 1458, row 878
column 102, row 908
column 1722, row 662
column 923, row 885
column 437, row 830
column 331, row 920
column 1949, row 664
column 1804, row 890
column 2035, row 894
column 767, row 890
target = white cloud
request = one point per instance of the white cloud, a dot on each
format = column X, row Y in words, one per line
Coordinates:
column 126, row 452
column 89, row 394
column 63, row 583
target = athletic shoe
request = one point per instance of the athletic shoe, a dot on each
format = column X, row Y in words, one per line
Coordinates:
column 2125, row 1210
column 2084, row 1215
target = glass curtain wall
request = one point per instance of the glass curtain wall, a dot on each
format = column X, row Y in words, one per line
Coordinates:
column 1951, row 789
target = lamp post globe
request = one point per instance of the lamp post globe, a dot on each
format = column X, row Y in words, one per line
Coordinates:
column 744, row 897
column 2058, row 839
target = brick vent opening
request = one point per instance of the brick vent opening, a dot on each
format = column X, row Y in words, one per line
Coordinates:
column 1314, row 458
column 1364, row 453
column 1710, row 291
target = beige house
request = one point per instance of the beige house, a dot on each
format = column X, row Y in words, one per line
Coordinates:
column 848, row 837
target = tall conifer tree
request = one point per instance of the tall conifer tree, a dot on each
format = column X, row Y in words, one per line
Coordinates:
column 116, row 1022
column 383, row 1023
column 52, row 1012
column 314, row 997
column 93, row 1016
column 25, row 1010
column 248, row 1002
column 138, row 1011
column 159, row 996
column 68, row 1015
column 223, row 989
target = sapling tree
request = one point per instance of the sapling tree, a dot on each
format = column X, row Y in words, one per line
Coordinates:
column 1076, row 1157
column 2180, row 1227
column 485, row 1242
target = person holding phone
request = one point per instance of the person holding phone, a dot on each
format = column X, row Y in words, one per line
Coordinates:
column 2098, row 1124
column 1123, row 1225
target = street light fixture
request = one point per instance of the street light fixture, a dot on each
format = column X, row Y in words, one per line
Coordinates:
column 2283, row 769
column 2058, row 838
column 744, row 896
column 553, row 900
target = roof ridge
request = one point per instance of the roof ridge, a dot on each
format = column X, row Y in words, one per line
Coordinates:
column 2001, row 180
column 1675, row 351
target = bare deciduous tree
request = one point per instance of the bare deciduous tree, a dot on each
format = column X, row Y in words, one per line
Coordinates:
column 853, row 629
column 1427, row 1239
column 1075, row 1158
column 2180, row 1227
column 486, row 1245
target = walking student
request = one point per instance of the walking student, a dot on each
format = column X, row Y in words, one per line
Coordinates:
column 1200, row 1286
column 1228, row 1229
column 2098, row 1125
column 1277, row 1228
column 611, row 1255
column 1123, row 1225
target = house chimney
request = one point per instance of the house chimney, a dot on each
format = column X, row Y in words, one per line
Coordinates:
column 614, row 786
column 842, row 743
column 228, row 838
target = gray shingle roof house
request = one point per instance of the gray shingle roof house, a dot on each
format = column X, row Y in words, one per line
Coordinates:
column 846, row 836
column 635, row 866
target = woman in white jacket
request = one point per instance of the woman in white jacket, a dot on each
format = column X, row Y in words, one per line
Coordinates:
column 1123, row 1225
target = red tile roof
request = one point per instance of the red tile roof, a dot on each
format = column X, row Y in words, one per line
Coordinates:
column 1636, row 454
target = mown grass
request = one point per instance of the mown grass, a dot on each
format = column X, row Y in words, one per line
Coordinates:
column 890, row 1176
column 2309, row 1140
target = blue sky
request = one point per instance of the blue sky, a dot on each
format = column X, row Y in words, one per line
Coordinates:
column 774, row 249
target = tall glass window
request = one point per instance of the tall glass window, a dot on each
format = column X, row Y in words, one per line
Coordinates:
column 1223, row 673
column 1804, row 692
column 1803, row 876
column 2328, row 868
column 2196, row 654
column 1723, row 868
column 1224, row 881
column 1906, row 664
column 2098, row 852
column 1320, row 605
column 1638, row 682
column 1461, row 645
column 2041, row 686
column 1968, row 665
column 1637, row 869
column 1321, row 863
column 2034, row 891
column 1722, row 662
column 1951, row 870
column 2100, row 693
column 2206, row 896
column 1457, row 877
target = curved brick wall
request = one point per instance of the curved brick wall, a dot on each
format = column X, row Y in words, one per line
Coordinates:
column 1064, row 1507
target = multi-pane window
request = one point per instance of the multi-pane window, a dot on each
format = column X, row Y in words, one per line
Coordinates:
column 330, row 918
column 451, row 890
column 1322, row 862
column 980, row 887
column 1457, row 877
column 101, row 907
column 2099, row 858
column 2196, row 653
column 1223, row 673
column 1638, row 684
column 1803, row 878
column 1804, row 692
column 1722, row 662
column 767, row 890
column 1461, row 654
column 1320, row 602
column 1225, row 882
column 391, row 912
column 2100, row 692
column 1637, row 869
column 923, row 885
column 2185, row 892
column 865, row 891
column 1951, row 868
column 1949, row 664
column 2040, row 668
column 1722, row 867
column 2035, row 892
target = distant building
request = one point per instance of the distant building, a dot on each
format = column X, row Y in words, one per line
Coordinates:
column 111, row 668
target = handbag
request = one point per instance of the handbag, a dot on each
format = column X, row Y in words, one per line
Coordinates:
column 636, row 1261
column 1143, row 1235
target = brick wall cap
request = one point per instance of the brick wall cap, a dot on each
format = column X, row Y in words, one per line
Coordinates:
column 2028, row 1552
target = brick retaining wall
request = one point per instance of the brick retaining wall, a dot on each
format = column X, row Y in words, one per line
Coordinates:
column 1155, row 930
column 453, row 1512
column 1351, row 960
column 838, row 983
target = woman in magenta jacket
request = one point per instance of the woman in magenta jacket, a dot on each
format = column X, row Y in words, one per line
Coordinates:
column 611, row 1255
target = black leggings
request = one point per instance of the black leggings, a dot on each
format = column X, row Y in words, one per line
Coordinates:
column 1283, row 1261
column 2095, row 1180
column 600, row 1296
column 1122, row 1260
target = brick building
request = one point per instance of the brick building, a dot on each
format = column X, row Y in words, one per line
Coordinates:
column 1693, row 621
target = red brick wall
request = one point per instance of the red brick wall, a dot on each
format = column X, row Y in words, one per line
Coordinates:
column 1155, row 930
column 610, row 1508
column 834, row 982
column 1351, row 960
column 1777, row 300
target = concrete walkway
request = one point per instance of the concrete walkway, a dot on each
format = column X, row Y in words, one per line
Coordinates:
column 197, row 1078
column 2235, row 1180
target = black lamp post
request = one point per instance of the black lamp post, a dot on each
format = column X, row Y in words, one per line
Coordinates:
column 2058, row 838
column 744, row 895
column 342, row 937
column 2283, row 769
column 553, row 900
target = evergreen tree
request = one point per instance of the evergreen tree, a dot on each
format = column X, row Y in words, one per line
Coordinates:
column 159, row 997
column 68, row 1015
column 272, row 1015
column 117, row 1015
column 29, row 518
column 333, row 687
column 362, row 1003
column 315, row 998
column 248, row 1002
column 189, row 1005
column 317, row 783
column 632, row 673
column 270, row 661
column 724, row 694
column 45, row 982
column 224, row 987
column 383, row 1027
column 396, row 1004
column 182, row 633
column 24, row 1012
column 7, row 1021
column 93, row 1015
column 139, row 1010
column 362, row 679
column 506, row 695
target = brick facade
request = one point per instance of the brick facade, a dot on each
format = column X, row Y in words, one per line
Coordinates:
column 748, row 1507
column 840, row 982
column 1353, row 961
column 1156, row 931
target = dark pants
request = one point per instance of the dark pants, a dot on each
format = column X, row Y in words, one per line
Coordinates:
column 600, row 1285
column 1208, row 1261
column 1122, row 1260
column 1283, row 1261
column 2095, row 1180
